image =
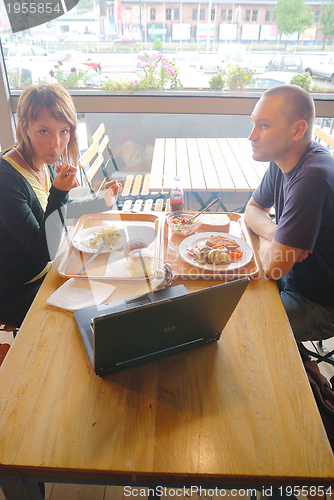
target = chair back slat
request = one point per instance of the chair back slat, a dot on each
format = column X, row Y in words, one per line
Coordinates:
column 92, row 160
column 94, row 168
column 89, row 155
column 146, row 185
column 127, row 186
column 103, row 144
column 148, row 206
column 138, row 205
column 324, row 136
column 98, row 133
column 136, row 186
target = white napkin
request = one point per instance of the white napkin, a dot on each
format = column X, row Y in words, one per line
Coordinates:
column 80, row 293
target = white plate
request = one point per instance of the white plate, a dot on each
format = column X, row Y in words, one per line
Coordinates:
column 82, row 239
column 200, row 238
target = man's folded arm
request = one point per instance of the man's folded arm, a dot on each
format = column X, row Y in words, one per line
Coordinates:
column 277, row 259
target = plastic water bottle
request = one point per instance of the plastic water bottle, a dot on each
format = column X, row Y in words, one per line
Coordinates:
column 176, row 195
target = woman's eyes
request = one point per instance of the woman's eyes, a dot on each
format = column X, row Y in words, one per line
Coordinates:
column 64, row 132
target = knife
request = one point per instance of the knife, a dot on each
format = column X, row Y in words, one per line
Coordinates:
column 93, row 257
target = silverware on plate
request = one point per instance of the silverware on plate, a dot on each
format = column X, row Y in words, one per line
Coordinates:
column 203, row 210
column 93, row 257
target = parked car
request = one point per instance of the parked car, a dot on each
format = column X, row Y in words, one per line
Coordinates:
column 232, row 53
column 323, row 68
column 76, row 57
column 24, row 53
column 188, row 59
column 285, row 62
column 270, row 79
column 24, row 74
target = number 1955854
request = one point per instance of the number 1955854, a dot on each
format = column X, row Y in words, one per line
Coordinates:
column 33, row 8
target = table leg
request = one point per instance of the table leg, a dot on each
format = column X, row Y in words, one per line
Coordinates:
column 18, row 488
column 212, row 197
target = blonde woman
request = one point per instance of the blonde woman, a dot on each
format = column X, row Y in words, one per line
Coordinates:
column 36, row 175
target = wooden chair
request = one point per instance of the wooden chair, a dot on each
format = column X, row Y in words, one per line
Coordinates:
column 92, row 161
column 146, row 206
column 320, row 352
column 323, row 136
column 137, row 197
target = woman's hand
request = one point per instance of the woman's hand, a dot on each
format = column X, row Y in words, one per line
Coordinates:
column 66, row 178
column 111, row 191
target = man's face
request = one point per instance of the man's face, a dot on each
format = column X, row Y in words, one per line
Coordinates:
column 271, row 136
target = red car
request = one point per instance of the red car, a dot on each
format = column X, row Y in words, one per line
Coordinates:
column 76, row 57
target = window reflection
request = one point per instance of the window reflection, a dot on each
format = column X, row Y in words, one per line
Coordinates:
column 107, row 35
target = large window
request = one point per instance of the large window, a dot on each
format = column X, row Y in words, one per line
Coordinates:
column 102, row 45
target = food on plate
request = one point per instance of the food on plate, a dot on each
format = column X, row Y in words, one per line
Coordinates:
column 218, row 240
column 110, row 235
column 215, row 222
column 182, row 223
column 140, row 262
column 217, row 250
column 133, row 244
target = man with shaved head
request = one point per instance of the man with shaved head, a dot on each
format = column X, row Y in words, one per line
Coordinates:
column 297, row 248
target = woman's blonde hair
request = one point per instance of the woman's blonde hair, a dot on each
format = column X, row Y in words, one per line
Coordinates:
column 56, row 99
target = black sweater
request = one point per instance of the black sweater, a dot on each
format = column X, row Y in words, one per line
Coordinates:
column 30, row 237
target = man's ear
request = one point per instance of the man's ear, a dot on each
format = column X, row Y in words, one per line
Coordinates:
column 300, row 128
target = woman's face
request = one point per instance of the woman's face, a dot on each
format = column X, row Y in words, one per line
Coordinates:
column 49, row 138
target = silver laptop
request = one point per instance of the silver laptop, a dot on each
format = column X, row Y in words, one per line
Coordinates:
column 125, row 333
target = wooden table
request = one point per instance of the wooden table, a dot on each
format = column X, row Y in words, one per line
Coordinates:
column 205, row 165
column 237, row 413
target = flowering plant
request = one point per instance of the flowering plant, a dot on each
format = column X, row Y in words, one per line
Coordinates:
column 70, row 78
column 154, row 71
column 237, row 77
